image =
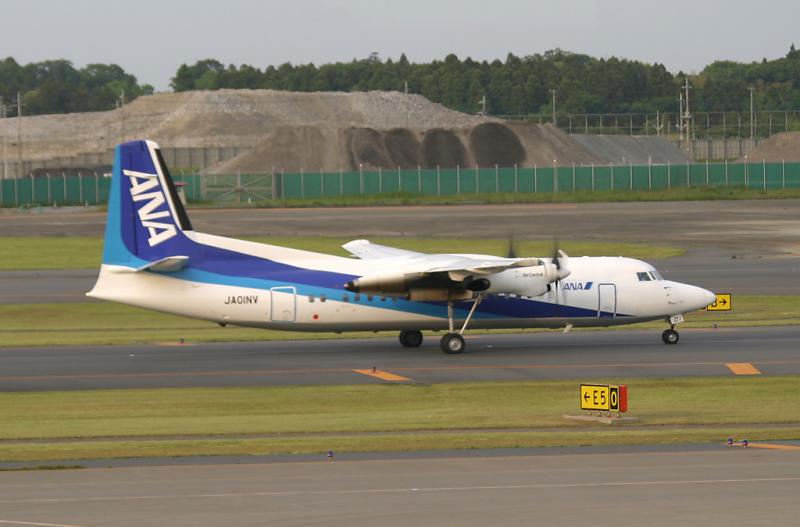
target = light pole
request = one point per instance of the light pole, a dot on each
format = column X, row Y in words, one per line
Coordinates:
column 752, row 128
column 553, row 92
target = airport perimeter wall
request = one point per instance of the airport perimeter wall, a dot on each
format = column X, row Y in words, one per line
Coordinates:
column 62, row 189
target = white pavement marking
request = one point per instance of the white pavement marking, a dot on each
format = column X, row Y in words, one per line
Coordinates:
column 35, row 524
column 404, row 490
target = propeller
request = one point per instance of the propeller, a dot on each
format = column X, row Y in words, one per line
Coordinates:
column 561, row 263
column 511, row 246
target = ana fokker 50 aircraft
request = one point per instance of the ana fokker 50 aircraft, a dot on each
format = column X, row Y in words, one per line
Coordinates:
column 154, row 259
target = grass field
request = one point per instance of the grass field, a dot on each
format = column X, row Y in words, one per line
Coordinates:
column 272, row 420
column 86, row 252
column 108, row 323
column 393, row 199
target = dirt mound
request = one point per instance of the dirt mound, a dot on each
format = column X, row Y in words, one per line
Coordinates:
column 289, row 149
column 403, row 147
column 496, row 144
column 638, row 150
column 443, row 148
column 545, row 143
column 784, row 146
column 367, row 148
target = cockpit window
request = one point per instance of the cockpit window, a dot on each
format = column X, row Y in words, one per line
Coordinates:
column 644, row 277
column 655, row 275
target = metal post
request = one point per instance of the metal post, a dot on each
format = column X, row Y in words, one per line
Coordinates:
column 707, row 179
column 380, row 180
column 361, row 179
column 783, row 174
column 650, row 174
column 752, row 129
column 516, row 180
column 96, row 188
column 555, row 177
column 630, row 173
column 764, row 172
column 321, row 183
column 535, row 178
column 669, row 176
column 64, row 177
column 438, row 181
column 399, row 180
column 496, row 179
column 33, row 191
column 726, row 173
column 746, row 173
column 49, row 190
column 80, row 188
column 341, row 182
column 477, row 179
column 458, row 180
column 687, row 174
column 573, row 176
column 419, row 179
column 593, row 176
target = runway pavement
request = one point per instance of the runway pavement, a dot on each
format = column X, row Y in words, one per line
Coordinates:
column 552, row 355
column 713, row 487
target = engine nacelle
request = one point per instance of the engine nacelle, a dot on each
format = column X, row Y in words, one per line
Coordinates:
column 526, row 281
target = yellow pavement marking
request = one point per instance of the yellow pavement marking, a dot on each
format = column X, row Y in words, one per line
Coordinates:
column 772, row 446
column 383, row 375
column 742, row 368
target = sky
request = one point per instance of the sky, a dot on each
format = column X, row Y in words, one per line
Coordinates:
column 152, row 38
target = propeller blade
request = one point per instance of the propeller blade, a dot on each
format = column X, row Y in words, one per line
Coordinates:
column 511, row 249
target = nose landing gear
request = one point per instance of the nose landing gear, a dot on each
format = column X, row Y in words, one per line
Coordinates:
column 670, row 336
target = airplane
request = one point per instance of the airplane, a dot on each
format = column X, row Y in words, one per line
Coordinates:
column 154, row 259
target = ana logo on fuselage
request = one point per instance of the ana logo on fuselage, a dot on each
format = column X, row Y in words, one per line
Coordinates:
column 577, row 286
column 145, row 187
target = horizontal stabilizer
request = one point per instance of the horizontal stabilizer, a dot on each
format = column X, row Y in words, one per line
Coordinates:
column 170, row 264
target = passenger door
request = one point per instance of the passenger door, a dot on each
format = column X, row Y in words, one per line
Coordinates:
column 283, row 304
column 606, row 300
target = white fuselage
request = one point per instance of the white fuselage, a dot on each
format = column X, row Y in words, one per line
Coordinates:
column 600, row 291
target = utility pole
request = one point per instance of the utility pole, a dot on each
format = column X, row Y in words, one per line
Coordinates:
column 752, row 127
column 5, row 158
column 483, row 105
column 554, row 106
column 19, row 133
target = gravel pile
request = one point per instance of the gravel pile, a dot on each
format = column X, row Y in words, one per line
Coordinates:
column 784, row 146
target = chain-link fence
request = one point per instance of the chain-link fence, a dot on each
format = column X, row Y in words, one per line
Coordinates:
column 64, row 189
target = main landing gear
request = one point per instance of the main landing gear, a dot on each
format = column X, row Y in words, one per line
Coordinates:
column 453, row 343
column 411, row 339
column 670, row 336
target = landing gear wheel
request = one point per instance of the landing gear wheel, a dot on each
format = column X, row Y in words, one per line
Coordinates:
column 452, row 343
column 670, row 336
column 411, row 339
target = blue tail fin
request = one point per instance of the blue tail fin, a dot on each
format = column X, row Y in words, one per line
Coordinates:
column 146, row 219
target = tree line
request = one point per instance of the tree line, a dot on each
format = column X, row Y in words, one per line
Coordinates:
column 56, row 86
column 515, row 86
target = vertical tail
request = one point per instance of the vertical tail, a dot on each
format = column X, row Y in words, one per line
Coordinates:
column 146, row 220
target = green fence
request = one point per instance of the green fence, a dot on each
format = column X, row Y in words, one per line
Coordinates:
column 52, row 190
column 593, row 178
column 56, row 190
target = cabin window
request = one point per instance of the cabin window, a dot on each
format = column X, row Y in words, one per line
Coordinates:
column 644, row 277
column 322, row 298
column 656, row 275
column 345, row 297
column 310, row 299
column 369, row 298
column 357, row 297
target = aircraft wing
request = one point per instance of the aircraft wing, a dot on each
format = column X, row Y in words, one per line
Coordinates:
column 407, row 270
column 367, row 250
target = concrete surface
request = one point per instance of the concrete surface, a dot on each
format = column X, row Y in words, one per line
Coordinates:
column 552, row 355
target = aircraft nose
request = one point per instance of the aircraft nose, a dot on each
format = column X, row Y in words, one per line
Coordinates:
column 697, row 297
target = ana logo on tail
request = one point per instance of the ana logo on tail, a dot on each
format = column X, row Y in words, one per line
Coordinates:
column 145, row 187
